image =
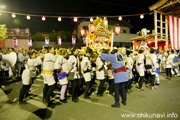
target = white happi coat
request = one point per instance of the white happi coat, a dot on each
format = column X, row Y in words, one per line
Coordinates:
column 99, row 74
column 85, row 65
column 62, row 65
column 30, row 71
column 151, row 60
column 169, row 61
column 140, row 60
column 74, row 66
column 129, row 66
column 48, row 65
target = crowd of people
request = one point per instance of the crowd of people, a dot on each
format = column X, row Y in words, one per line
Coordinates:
column 120, row 68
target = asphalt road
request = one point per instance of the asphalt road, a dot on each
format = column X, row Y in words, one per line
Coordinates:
column 161, row 103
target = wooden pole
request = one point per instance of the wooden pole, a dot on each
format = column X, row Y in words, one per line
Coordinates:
column 166, row 26
column 161, row 26
column 155, row 27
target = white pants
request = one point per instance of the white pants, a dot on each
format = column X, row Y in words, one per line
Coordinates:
column 157, row 78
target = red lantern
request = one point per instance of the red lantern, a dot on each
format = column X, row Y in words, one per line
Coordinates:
column 117, row 30
column 107, row 40
column 83, row 32
column 91, row 28
column 97, row 40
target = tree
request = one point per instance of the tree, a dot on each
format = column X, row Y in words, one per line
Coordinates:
column 38, row 37
column 3, row 31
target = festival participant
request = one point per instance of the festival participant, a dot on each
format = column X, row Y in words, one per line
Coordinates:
column 100, row 74
column 129, row 66
column 62, row 66
column 74, row 74
column 150, row 68
column 157, row 67
column 120, row 76
column 48, row 71
column 175, row 64
column 20, row 61
column 168, row 64
column 29, row 75
column 86, row 71
column 140, row 67
column 24, row 60
column 110, row 71
column 5, row 68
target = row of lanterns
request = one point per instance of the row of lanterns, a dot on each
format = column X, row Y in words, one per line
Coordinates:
column 59, row 41
column 116, row 30
column 28, row 17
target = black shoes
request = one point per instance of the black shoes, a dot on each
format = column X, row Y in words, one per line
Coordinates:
column 75, row 100
column 22, row 102
column 63, row 101
column 99, row 95
column 87, row 97
column 116, row 105
column 123, row 102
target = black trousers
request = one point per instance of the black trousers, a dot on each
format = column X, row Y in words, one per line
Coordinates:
column 23, row 91
column 73, row 88
column 136, row 77
column 111, row 86
column 141, row 81
column 94, row 77
column 76, row 85
column 168, row 72
column 47, row 92
column 100, row 88
column 120, row 89
column 151, row 79
column 128, row 84
column 88, row 86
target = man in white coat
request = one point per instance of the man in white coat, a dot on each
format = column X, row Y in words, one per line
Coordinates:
column 86, row 71
column 48, row 71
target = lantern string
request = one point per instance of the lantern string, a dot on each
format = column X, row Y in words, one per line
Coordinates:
column 36, row 15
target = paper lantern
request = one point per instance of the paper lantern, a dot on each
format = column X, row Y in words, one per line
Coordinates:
column 13, row 15
column 28, row 17
column 117, row 30
column 59, row 19
column 141, row 16
column 83, row 32
column 43, row 18
column 120, row 18
column 91, row 19
column 75, row 19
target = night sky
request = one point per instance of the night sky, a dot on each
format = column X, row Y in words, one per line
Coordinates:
column 73, row 8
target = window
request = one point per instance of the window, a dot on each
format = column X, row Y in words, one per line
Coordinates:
column 124, row 31
column 85, row 27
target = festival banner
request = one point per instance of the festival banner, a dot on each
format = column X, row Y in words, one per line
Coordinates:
column 73, row 40
column 46, row 41
column 59, row 40
column 84, row 40
column 15, row 41
column 30, row 42
column 174, row 31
